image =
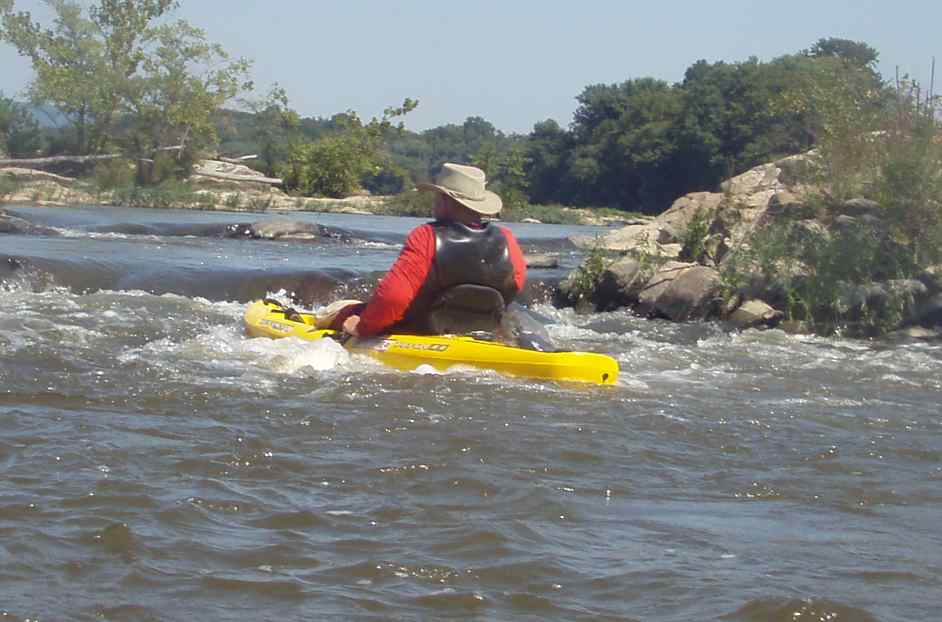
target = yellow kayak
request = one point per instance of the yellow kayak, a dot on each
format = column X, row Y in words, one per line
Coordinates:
column 268, row 318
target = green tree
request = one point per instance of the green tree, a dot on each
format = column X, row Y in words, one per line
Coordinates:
column 123, row 75
column 547, row 151
column 274, row 126
column 855, row 52
column 337, row 164
column 19, row 133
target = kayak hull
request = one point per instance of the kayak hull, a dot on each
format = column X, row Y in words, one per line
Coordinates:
column 266, row 318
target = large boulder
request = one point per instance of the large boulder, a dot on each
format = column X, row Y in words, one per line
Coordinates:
column 650, row 238
column 693, row 295
column 620, row 284
column 686, row 208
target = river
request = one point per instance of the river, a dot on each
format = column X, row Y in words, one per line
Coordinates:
column 159, row 465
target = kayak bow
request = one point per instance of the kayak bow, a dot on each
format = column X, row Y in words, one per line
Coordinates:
column 269, row 318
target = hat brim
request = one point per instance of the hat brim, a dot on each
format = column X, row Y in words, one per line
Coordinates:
column 488, row 206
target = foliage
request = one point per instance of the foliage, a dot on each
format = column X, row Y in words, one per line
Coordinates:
column 909, row 181
column 19, row 133
column 123, row 76
column 167, row 194
column 411, row 203
column 111, row 174
column 9, row 184
column 854, row 52
column 581, row 284
column 273, row 126
column 335, row 165
column 815, row 275
column 840, row 105
column 695, row 235
column 506, row 174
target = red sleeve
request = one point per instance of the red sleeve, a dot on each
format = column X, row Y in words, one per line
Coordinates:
column 516, row 258
column 396, row 291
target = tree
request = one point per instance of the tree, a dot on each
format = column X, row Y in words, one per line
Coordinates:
column 123, row 75
column 336, row 164
column 854, row 52
column 19, row 132
column 547, row 151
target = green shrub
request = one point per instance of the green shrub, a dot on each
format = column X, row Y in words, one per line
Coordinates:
column 111, row 174
column 9, row 185
column 695, row 236
column 808, row 272
column 411, row 203
column 579, row 288
column 169, row 194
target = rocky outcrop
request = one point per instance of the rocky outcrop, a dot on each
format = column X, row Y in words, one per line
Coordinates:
column 669, row 266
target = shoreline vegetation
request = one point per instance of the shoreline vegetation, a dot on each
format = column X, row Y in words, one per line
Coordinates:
column 803, row 192
column 36, row 187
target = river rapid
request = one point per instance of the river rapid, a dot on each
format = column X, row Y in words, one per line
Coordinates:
column 159, row 465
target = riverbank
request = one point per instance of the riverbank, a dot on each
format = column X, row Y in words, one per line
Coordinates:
column 36, row 187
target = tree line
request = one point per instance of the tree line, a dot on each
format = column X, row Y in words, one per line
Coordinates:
column 127, row 77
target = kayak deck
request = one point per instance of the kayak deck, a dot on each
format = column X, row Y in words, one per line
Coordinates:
column 267, row 318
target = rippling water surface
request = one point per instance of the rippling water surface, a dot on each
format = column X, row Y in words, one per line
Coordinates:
column 159, row 465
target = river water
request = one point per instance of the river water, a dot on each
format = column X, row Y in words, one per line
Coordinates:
column 159, row 465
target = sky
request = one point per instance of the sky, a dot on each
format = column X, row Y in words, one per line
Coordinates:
column 518, row 62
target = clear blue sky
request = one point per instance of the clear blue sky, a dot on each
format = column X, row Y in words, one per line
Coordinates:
column 517, row 62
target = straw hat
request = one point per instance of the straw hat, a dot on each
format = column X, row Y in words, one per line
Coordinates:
column 465, row 184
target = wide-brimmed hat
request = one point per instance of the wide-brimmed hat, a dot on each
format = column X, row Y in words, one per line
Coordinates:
column 465, row 184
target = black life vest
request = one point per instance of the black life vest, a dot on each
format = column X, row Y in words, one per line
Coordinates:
column 469, row 284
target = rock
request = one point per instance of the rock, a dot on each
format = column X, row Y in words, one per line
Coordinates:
column 643, row 239
column 692, row 295
column 544, row 260
column 16, row 225
column 285, row 229
column 753, row 313
column 657, row 284
column 859, row 207
column 620, row 284
column 667, row 234
column 684, row 209
column 916, row 333
column 754, row 181
column 931, row 277
column 785, row 204
column 532, row 221
column 799, row 170
column 928, row 312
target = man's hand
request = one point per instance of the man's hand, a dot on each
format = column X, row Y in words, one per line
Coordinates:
column 350, row 325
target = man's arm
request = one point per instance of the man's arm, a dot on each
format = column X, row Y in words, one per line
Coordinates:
column 396, row 291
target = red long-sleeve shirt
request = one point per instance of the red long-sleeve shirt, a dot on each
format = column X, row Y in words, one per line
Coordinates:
column 396, row 291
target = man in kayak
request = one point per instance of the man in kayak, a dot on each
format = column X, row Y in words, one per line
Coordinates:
column 454, row 275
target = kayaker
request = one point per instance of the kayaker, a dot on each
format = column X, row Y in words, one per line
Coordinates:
column 454, row 275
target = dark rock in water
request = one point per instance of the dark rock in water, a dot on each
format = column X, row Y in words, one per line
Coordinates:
column 239, row 230
column 928, row 313
column 285, row 230
column 542, row 261
column 16, row 225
